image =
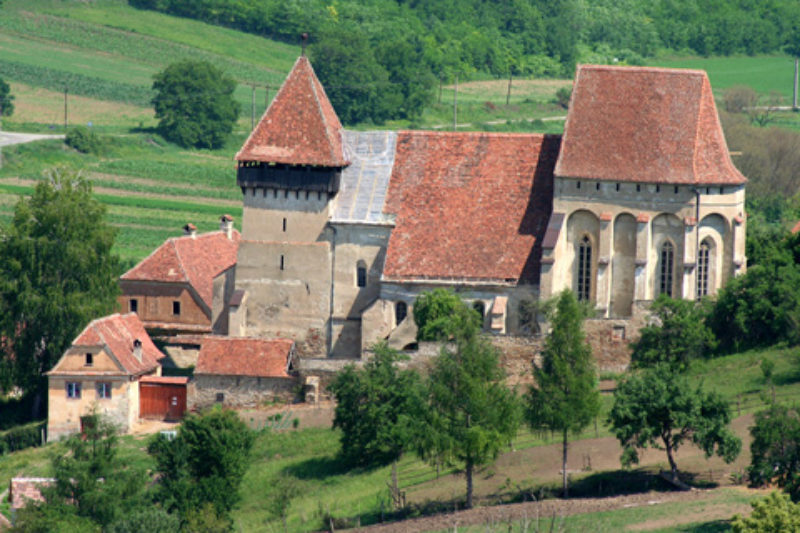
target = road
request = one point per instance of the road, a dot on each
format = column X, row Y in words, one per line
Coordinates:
column 8, row 138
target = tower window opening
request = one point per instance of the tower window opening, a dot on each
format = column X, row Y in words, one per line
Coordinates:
column 400, row 312
column 284, row 224
column 282, row 262
column 361, row 274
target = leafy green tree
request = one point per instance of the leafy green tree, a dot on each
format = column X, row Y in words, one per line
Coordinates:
column 772, row 514
column 57, row 273
column 204, row 464
column 83, row 139
column 6, row 98
column 194, row 104
column 470, row 412
column 375, row 406
column 657, row 407
column 676, row 334
column 93, row 487
column 565, row 397
column 775, row 449
column 356, row 84
column 439, row 313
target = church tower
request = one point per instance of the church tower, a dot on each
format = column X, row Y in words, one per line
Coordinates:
column 289, row 170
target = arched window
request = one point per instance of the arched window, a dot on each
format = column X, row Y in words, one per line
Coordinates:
column 667, row 268
column 361, row 274
column 584, row 269
column 703, row 263
column 480, row 307
column 400, row 312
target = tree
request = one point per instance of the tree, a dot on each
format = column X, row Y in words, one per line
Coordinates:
column 6, row 98
column 439, row 313
column 195, row 104
column 375, row 406
column 772, row 514
column 775, row 449
column 565, row 398
column 657, row 407
column 356, row 84
column 676, row 334
column 470, row 413
column 204, row 464
column 93, row 487
column 57, row 273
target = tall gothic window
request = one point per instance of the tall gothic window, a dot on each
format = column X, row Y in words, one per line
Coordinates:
column 667, row 266
column 584, row 269
column 400, row 312
column 703, row 262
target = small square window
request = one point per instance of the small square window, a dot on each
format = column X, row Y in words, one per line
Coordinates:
column 176, row 308
column 104, row 390
column 220, row 397
column 597, row 186
column 74, row 389
column 89, row 359
column 638, row 187
column 133, row 305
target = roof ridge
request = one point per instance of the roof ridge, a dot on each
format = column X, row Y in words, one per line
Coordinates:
column 636, row 68
column 180, row 259
column 696, row 143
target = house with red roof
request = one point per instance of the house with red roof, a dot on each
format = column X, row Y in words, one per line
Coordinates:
column 102, row 369
column 342, row 230
column 243, row 372
column 185, row 284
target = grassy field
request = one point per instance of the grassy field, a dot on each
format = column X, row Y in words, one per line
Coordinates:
column 763, row 73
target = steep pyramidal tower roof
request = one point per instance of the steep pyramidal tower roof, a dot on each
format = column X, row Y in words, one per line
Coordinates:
column 300, row 126
column 653, row 125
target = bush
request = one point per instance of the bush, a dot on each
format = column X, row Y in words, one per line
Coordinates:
column 21, row 437
column 773, row 513
column 563, row 96
column 150, row 519
column 739, row 98
column 83, row 140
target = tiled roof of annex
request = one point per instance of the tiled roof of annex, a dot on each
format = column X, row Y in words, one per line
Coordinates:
column 644, row 124
column 300, row 127
column 469, row 206
column 118, row 333
column 196, row 260
column 243, row 356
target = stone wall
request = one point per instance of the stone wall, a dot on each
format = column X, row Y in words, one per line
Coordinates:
column 240, row 391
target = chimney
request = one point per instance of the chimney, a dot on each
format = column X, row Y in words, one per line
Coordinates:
column 226, row 225
column 137, row 350
column 190, row 229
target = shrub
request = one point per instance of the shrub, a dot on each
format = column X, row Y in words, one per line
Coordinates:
column 563, row 96
column 739, row 98
column 19, row 438
column 83, row 140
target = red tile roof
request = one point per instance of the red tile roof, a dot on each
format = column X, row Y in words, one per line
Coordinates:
column 118, row 332
column 646, row 125
column 469, row 206
column 242, row 356
column 195, row 260
column 300, row 126
column 167, row 380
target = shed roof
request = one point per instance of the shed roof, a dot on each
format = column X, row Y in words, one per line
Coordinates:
column 300, row 127
column 644, row 124
column 241, row 356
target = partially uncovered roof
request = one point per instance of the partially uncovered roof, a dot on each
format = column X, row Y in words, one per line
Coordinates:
column 365, row 182
column 647, row 125
column 300, row 127
column 469, row 206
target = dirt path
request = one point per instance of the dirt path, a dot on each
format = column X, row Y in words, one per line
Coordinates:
column 8, row 138
column 543, row 510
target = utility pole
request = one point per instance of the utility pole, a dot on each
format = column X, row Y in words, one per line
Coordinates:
column 455, row 105
column 508, row 94
column 253, row 106
column 794, row 93
column 66, row 115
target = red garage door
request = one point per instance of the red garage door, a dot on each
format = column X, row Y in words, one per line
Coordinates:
column 162, row 398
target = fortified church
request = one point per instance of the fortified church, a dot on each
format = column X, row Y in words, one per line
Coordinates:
column 342, row 230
